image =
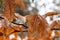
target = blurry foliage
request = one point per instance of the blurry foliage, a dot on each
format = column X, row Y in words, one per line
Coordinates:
column 18, row 9
column 1, row 3
column 26, row 2
column 21, row 11
column 35, row 10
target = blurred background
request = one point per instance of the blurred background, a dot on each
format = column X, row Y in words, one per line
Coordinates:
column 37, row 6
